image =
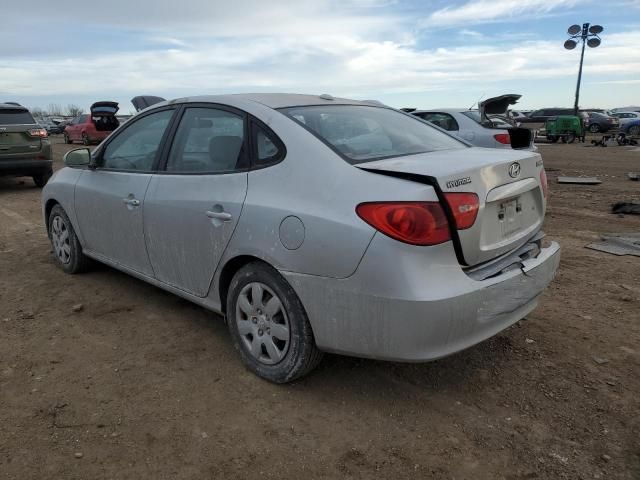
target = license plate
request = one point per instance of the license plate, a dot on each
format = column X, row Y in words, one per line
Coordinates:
column 509, row 216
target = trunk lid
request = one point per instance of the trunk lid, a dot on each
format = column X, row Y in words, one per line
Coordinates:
column 15, row 123
column 103, row 115
column 508, row 185
column 144, row 101
column 496, row 106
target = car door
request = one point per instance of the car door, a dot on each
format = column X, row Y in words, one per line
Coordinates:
column 192, row 207
column 109, row 198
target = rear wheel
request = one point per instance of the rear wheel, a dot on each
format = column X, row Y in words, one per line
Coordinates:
column 269, row 325
column 42, row 178
column 594, row 128
column 67, row 250
column 85, row 139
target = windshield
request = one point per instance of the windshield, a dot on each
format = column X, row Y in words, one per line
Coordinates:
column 15, row 117
column 363, row 133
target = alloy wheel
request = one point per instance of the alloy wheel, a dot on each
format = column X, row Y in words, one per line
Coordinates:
column 60, row 239
column 262, row 323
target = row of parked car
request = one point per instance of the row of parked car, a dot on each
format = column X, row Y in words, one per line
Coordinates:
column 595, row 121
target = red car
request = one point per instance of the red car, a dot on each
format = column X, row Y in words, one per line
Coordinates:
column 93, row 127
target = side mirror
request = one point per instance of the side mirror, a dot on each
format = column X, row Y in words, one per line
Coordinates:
column 79, row 157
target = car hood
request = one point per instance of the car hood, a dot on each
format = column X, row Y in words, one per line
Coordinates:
column 497, row 105
column 100, row 108
column 144, row 101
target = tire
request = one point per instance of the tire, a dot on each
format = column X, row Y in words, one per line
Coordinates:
column 69, row 258
column 85, row 139
column 552, row 138
column 571, row 137
column 67, row 140
column 564, row 139
column 594, row 128
column 261, row 302
column 42, row 178
column 634, row 130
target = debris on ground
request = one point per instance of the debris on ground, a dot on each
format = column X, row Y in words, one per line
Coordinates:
column 631, row 208
column 77, row 308
column 618, row 244
column 580, row 180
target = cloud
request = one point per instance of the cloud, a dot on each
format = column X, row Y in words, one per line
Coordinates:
column 484, row 11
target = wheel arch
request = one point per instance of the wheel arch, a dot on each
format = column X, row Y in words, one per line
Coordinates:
column 52, row 202
column 231, row 267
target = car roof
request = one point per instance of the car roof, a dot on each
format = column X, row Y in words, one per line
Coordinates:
column 13, row 106
column 272, row 100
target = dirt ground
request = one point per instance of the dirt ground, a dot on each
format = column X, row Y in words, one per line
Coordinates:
column 141, row 384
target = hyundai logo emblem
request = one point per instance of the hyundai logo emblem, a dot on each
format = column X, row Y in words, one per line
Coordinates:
column 514, row 170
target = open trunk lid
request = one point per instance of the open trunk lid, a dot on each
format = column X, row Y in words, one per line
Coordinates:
column 103, row 115
column 508, row 185
column 497, row 106
column 144, row 101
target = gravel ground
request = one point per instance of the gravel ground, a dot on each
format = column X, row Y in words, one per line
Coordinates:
column 104, row 376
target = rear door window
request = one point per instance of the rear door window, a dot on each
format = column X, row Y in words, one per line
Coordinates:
column 16, row 117
column 442, row 120
column 208, row 140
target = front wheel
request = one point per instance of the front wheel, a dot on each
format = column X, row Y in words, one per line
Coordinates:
column 67, row 140
column 67, row 250
column 85, row 139
column 41, row 179
column 269, row 326
column 594, row 128
column 634, row 131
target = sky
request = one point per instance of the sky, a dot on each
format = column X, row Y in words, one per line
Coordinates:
column 424, row 54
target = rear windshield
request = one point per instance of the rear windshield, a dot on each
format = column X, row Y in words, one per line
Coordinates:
column 496, row 122
column 363, row 133
column 15, row 117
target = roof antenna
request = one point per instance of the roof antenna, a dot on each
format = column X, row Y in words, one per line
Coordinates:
column 477, row 101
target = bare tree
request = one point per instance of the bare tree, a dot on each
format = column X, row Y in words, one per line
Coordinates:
column 74, row 110
column 54, row 109
column 37, row 112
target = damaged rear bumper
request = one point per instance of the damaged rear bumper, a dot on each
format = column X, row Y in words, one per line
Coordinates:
column 410, row 308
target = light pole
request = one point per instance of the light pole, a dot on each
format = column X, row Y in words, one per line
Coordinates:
column 589, row 36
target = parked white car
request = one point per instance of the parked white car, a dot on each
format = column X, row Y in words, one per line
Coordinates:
column 488, row 126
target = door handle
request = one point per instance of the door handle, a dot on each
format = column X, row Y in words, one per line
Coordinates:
column 224, row 216
column 133, row 202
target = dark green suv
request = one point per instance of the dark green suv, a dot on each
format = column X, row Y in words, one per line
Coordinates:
column 25, row 149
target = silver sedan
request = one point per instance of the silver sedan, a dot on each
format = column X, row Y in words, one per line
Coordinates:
column 313, row 224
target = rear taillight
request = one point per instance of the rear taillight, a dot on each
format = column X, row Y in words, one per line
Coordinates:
column 417, row 223
column 38, row 132
column 543, row 182
column 503, row 138
column 464, row 207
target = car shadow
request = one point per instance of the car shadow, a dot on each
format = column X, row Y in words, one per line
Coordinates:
column 17, row 184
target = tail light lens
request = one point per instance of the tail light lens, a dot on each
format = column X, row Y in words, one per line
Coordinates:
column 38, row 132
column 464, row 207
column 543, row 182
column 416, row 223
column 503, row 138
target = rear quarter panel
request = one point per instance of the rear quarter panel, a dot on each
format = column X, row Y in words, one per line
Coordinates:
column 315, row 185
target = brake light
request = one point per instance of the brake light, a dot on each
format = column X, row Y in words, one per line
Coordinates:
column 416, row 223
column 503, row 138
column 38, row 132
column 464, row 207
column 543, row 182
